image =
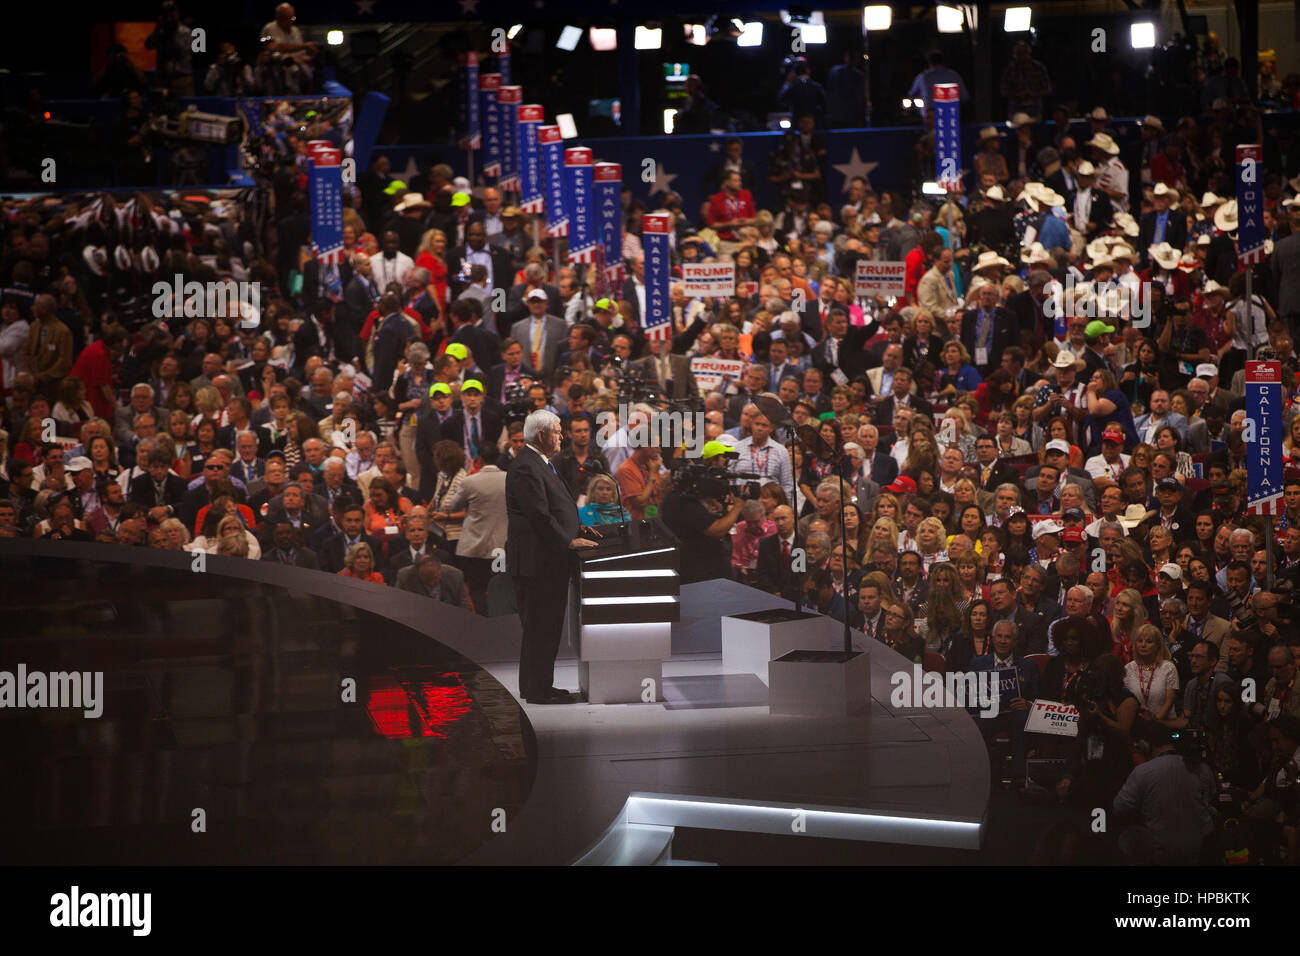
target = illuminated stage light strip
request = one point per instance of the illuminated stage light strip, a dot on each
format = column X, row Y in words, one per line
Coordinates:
column 666, row 810
column 653, row 573
column 624, row 557
column 641, row 599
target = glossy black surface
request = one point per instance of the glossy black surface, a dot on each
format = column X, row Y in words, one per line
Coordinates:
column 227, row 696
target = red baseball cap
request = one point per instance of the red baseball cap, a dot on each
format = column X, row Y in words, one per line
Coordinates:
column 902, row 485
column 1072, row 536
column 1113, row 433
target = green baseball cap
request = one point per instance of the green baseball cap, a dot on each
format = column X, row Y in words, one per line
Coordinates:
column 395, row 187
column 712, row 449
column 439, row 388
column 471, row 384
column 457, row 351
column 605, row 304
column 459, row 199
column 1096, row 328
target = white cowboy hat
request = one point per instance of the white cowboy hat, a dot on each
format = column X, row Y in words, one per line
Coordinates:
column 1022, row 119
column 1165, row 254
column 1085, row 169
column 412, row 201
column 1096, row 248
column 1225, row 217
column 1028, row 198
column 1122, row 251
column 1188, row 263
column 1153, row 121
column 1209, row 199
column 1163, row 190
column 1104, row 143
column 1203, row 239
column 989, row 259
column 1035, row 254
column 1293, row 202
column 1127, row 224
column 1103, row 261
column 1065, row 358
column 1098, row 113
column 988, row 132
column 1133, row 516
column 1213, row 287
column 996, row 194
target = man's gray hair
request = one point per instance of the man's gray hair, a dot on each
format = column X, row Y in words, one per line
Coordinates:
column 1004, row 623
column 1084, row 593
column 538, row 422
column 1109, row 526
column 1177, row 605
column 420, row 274
column 138, row 386
column 535, row 272
column 1241, row 533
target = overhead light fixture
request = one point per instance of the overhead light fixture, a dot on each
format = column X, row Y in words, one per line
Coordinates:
column 568, row 128
column 696, row 34
column 812, row 33
column 669, row 117
column 603, row 39
column 648, row 38
column 751, row 34
column 1017, row 19
column 877, row 17
column 334, row 38
column 514, row 31
column 1142, row 35
column 907, row 103
column 949, row 19
column 569, row 38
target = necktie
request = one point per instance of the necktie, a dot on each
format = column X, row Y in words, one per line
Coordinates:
column 537, row 344
column 785, row 550
column 473, row 438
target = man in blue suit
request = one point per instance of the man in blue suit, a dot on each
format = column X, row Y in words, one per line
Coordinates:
column 1159, row 414
column 1012, row 711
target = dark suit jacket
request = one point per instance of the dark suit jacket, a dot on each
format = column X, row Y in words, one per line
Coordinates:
column 332, row 552
column 194, row 500
column 302, row 558
column 1175, row 230
column 306, row 343
column 483, row 343
column 1100, row 213
column 542, row 518
column 773, row 571
column 141, row 490
column 1032, row 638
column 451, row 585
column 1001, row 474
column 556, row 341
column 932, row 355
column 1005, row 335
column 884, row 412
column 491, row 423
column 1026, row 669
column 495, row 377
column 884, row 468
column 503, row 270
column 1029, row 314
column 428, row 432
column 851, row 356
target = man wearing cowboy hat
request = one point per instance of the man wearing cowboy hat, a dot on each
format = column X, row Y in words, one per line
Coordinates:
column 1090, row 208
column 409, row 222
column 1112, row 177
column 1100, row 121
column 1152, row 131
column 1221, row 256
column 992, row 225
column 1068, row 396
column 1165, row 223
column 988, row 329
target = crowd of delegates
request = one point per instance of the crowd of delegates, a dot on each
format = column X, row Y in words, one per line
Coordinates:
column 1065, row 499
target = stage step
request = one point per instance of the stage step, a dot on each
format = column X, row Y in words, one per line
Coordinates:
column 632, row 844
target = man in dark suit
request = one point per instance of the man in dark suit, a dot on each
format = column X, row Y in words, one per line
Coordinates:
column 734, row 161
column 993, row 471
column 634, row 289
column 881, row 467
column 351, row 519
column 843, row 348
column 510, row 369
column 774, row 574
column 432, row 578
column 216, row 468
column 1031, row 629
column 542, row 351
column 476, row 251
column 884, row 411
column 1088, row 208
column 1029, row 307
column 318, row 336
column 289, row 548
column 475, row 424
column 1013, row 712
column 987, row 330
column 1164, row 223
column 679, row 382
column 415, row 544
column 543, row 530
column 393, row 332
column 159, row 488
column 306, row 512
column 483, row 343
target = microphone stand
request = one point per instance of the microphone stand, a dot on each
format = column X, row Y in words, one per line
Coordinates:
column 791, row 436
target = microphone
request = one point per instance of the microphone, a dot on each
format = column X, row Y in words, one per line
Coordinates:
column 622, row 523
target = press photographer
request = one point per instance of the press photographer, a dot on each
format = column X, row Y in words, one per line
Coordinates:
column 704, row 503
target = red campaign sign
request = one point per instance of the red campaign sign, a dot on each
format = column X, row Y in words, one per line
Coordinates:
column 531, row 114
column 577, row 156
column 548, row 134
column 1263, row 373
column 655, row 222
column 489, row 81
column 510, row 94
column 946, row 92
column 467, row 59
column 328, row 157
column 1255, row 152
column 609, row 172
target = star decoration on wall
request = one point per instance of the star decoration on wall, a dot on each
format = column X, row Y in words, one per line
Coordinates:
column 715, row 147
column 365, row 6
column 663, row 179
column 854, row 167
column 411, row 170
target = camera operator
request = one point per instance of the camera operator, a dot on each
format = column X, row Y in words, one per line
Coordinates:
column 174, row 42
column 1272, row 814
column 229, row 75
column 703, row 525
column 1170, row 793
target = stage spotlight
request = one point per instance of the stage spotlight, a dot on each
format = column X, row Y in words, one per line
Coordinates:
column 907, row 103
column 669, row 117
column 514, row 31
column 1017, row 19
column 751, row 34
column 568, row 128
column 648, row 38
column 569, row 38
column 334, row 38
column 812, row 33
column 877, row 17
column 696, row 34
column 949, row 19
column 603, row 39
column 1142, row 35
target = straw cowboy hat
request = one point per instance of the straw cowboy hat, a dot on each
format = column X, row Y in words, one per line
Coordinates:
column 1085, row 168
column 995, row 194
column 1099, row 113
column 1165, row 254
column 1104, row 143
column 1188, row 263
column 1045, row 195
column 1103, row 261
column 989, row 259
column 1209, row 200
column 1127, row 224
column 1225, row 217
column 988, row 132
column 1153, row 122
column 1065, row 358
column 1163, row 190
column 1035, row 254
column 1097, row 247
column 1122, row 251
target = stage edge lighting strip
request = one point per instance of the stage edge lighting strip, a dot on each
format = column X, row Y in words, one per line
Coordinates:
column 641, row 599
column 664, row 810
column 624, row 557
column 606, row 575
